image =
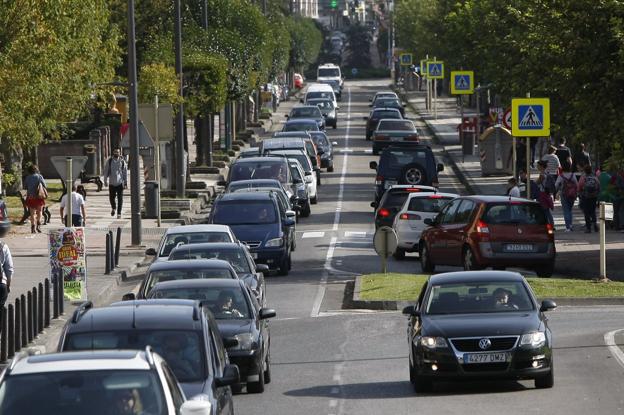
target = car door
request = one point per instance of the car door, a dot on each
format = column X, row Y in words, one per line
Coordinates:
column 438, row 239
column 217, row 361
column 456, row 231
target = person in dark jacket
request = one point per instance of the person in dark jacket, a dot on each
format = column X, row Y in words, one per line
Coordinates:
column 116, row 178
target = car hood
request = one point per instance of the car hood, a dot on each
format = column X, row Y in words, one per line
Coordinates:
column 191, row 389
column 229, row 328
column 256, row 232
column 475, row 325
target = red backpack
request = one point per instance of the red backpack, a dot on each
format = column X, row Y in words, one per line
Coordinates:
column 569, row 188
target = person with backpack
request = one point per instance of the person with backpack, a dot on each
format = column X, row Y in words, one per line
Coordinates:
column 546, row 188
column 116, row 178
column 589, row 189
column 567, row 187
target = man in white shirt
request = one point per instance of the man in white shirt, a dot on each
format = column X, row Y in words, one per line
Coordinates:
column 79, row 215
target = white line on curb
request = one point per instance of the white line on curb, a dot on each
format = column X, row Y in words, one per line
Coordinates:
column 609, row 339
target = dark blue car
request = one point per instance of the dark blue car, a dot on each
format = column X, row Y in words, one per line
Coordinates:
column 256, row 220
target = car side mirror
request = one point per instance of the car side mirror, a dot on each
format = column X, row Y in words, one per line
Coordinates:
column 128, row 297
column 308, row 179
column 289, row 222
column 267, row 313
column 286, row 115
column 334, row 143
column 411, row 311
column 548, row 305
column 196, row 407
column 222, row 183
column 150, row 252
column 230, row 342
column 291, row 214
column 337, row 108
column 373, row 205
column 440, row 167
column 301, row 100
column 429, row 221
column 370, row 100
column 230, row 376
column 262, row 268
column 370, row 105
column 365, row 118
column 373, row 165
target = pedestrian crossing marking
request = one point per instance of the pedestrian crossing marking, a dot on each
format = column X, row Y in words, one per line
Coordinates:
column 354, row 234
column 530, row 117
column 313, row 235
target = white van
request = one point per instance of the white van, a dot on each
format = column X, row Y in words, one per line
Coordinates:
column 329, row 72
column 320, row 91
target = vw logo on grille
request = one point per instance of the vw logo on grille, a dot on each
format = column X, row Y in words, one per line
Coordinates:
column 485, row 344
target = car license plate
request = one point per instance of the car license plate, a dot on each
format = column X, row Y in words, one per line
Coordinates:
column 518, row 247
column 389, row 183
column 485, row 358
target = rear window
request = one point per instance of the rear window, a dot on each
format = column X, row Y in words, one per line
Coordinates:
column 261, row 170
column 399, row 158
column 306, row 112
column 175, row 239
column 248, row 212
column 393, row 103
column 236, row 257
column 514, row 214
column 394, row 199
column 398, row 125
column 429, row 204
column 155, row 277
column 319, row 94
column 386, row 114
column 326, row 105
column 300, row 126
column 327, row 72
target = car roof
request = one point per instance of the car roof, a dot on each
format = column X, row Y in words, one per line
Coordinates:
column 199, row 283
column 284, row 134
column 81, row 361
column 256, row 160
column 290, row 152
column 474, row 276
column 139, row 314
column 407, row 147
column 190, row 263
column 283, row 141
column 198, row 229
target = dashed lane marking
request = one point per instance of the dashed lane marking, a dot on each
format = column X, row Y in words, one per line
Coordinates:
column 313, row 235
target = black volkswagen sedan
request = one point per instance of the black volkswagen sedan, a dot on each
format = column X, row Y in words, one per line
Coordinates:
column 242, row 323
column 479, row 324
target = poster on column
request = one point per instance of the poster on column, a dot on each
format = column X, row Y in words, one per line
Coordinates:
column 68, row 259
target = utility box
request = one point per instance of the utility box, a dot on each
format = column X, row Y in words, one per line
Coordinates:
column 495, row 147
column 467, row 132
column 152, row 199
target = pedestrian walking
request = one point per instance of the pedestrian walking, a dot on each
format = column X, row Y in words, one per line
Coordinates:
column 6, row 270
column 567, row 188
column 36, row 195
column 116, row 178
column 78, row 208
column 581, row 158
column 553, row 165
column 545, row 191
column 512, row 188
column 564, row 154
column 589, row 189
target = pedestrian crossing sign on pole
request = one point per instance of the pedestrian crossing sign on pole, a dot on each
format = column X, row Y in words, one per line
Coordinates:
column 530, row 117
column 462, row 82
column 423, row 67
column 435, row 69
column 405, row 59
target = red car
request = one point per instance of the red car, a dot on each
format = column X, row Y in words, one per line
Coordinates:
column 489, row 231
column 298, row 81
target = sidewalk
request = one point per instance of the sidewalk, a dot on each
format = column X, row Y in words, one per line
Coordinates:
column 570, row 246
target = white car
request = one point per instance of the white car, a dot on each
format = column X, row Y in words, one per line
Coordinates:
column 310, row 177
column 94, row 382
column 409, row 221
column 190, row 234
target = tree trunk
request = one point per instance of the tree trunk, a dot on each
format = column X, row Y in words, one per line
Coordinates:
column 199, row 143
column 13, row 157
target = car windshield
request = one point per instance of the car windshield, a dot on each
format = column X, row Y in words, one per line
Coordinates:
column 295, row 172
column 182, row 349
column 177, row 239
column 378, row 115
column 319, row 94
column 300, row 126
column 320, row 140
column 303, row 159
column 248, row 212
column 155, row 277
column 323, row 105
column 266, row 169
column 395, row 125
column 428, row 204
column 83, row 392
column 236, row 257
column 478, row 297
column 391, row 103
column 306, row 112
column 226, row 303
column 328, row 72
column 514, row 213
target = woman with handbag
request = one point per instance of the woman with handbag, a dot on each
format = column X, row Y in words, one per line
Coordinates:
column 36, row 194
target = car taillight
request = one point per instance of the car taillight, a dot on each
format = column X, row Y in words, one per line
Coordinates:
column 383, row 213
column 382, row 137
column 550, row 229
column 482, row 229
column 379, row 180
column 435, row 197
column 412, row 138
column 413, row 190
column 409, row 216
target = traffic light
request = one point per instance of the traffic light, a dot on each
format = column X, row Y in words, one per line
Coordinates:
column 333, row 3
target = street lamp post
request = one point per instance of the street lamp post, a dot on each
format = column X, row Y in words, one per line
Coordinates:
column 180, row 165
column 135, row 184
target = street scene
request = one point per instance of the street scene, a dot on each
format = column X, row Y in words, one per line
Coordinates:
column 311, row 207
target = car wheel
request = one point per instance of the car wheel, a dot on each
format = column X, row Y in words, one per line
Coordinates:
column 422, row 384
column 314, row 200
column 330, row 169
column 257, row 387
column 284, row 267
column 267, row 368
column 469, row 261
column 399, row 254
column 305, row 212
column 412, row 373
column 425, row 261
column 545, row 271
column 335, row 125
column 548, row 381
column 237, row 388
column 318, row 178
column 413, row 174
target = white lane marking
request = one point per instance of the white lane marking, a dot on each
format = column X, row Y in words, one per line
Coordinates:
column 336, row 378
column 333, row 403
column 369, row 151
column 346, row 150
column 316, row 307
column 609, row 339
column 313, row 235
column 355, row 234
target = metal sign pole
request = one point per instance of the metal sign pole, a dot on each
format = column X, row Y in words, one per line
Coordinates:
column 603, row 217
column 384, row 256
column 461, row 126
column 157, row 156
column 514, row 156
column 68, row 194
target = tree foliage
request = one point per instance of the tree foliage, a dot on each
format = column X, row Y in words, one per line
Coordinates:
column 158, row 79
column 306, row 41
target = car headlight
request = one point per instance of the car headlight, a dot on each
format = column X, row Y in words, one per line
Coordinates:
column 433, row 342
column 245, row 342
column 274, row 243
column 536, row 339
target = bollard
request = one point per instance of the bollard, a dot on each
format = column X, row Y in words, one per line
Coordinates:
column 46, row 301
column 55, row 305
column 111, row 258
column 40, row 308
column 117, row 246
column 3, row 336
column 24, row 320
column 29, row 317
column 18, row 326
column 61, row 296
column 11, row 332
column 107, row 267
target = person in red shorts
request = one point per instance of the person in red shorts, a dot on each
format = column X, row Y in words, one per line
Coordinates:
column 34, row 199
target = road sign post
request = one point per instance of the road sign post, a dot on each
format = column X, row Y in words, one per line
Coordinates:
column 435, row 71
column 462, row 83
column 385, row 242
column 605, row 214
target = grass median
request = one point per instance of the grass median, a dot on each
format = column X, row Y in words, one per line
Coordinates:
column 406, row 287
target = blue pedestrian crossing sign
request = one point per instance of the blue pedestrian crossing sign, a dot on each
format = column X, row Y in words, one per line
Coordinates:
column 435, row 69
column 530, row 117
column 405, row 59
column 462, row 82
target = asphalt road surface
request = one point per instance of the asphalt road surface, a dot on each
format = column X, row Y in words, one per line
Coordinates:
column 329, row 361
